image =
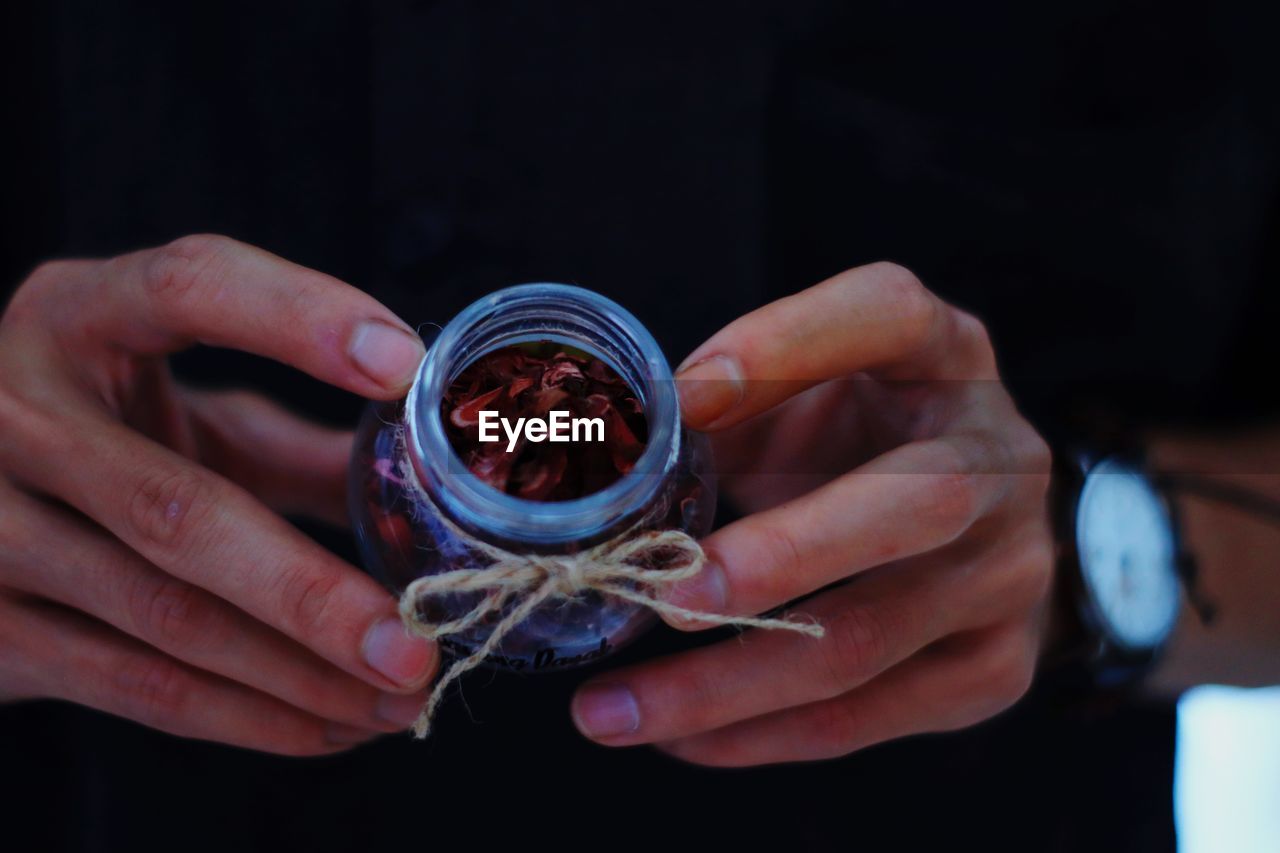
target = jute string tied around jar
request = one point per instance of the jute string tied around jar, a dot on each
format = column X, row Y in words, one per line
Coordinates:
column 613, row 568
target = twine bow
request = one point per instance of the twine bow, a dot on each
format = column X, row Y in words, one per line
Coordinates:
column 614, row 568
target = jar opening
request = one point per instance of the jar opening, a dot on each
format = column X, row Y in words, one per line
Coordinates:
column 545, row 421
column 527, row 314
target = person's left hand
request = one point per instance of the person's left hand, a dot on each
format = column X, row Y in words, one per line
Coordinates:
column 864, row 424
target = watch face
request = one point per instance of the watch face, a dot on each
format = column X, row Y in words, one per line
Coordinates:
column 1128, row 555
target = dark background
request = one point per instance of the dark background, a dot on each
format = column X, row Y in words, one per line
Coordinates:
column 1097, row 180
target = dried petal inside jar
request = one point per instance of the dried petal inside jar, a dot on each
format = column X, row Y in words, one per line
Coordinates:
column 530, row 381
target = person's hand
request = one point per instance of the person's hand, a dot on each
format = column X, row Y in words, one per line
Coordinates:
column 143, row 568
column 863, row 422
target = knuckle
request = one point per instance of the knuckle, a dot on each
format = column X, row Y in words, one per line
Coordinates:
column 30, row 430
column 48, row 276
column 897, row 277
column 854, row 648
column 153, row 689
column 836, row 726
column 297, row 307
column 972, row 336
column 43, row 296
column 703, row 698
column 13, row 416
column 955, row 502
column 1009, row 674
column 952, row 500
column 169, row 612
column 307, row 599
column 1029, row 449
column 970, row 328
column 184, row 266
column 776, row 547
column 916, row 307
column 169, row 508
column 1040, row 478
column 15, row 425
column 1036, row 573
column 45, row 276
column 26, row 302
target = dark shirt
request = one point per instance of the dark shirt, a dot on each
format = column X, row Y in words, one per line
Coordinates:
column 1098, row 182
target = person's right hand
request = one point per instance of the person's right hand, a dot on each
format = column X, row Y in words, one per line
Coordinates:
column 143, row 568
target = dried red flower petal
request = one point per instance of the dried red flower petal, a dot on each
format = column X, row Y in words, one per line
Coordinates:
column 492, row 465
column 536, row 481
column 530, row 380
column 540, row 403
column 467, row 414
column 558, row 372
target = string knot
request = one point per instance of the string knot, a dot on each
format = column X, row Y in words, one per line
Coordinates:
column 569, row 575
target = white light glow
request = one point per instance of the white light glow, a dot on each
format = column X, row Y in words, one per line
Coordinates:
column 1227, row 782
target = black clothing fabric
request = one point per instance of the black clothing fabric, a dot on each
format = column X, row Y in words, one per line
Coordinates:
column 1096, row 180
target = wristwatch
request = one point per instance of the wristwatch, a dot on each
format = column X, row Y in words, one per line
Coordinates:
column 1122, row 565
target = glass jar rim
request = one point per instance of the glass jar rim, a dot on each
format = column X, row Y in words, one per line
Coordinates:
column 557, row 312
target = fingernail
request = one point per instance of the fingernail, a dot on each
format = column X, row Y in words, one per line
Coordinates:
column 606, row 710
column 391, row 651
column 399, row 710
column 708, row 389
column 347, row 735
column 386, row 354
column 707, row 591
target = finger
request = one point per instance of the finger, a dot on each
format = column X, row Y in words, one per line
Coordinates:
column 65, row 560
column 197, row 526
column 939, row 690
column 876, row 318
column 757, row 472
column 871, row 625
column 293, row 465
column 908, row 501
column 58, row 654
column 217, row 291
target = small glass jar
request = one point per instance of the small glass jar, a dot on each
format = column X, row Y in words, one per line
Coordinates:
column 405, row 475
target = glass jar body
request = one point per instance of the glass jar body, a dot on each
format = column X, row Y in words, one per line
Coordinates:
column 401, row 538
column 417, row 511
